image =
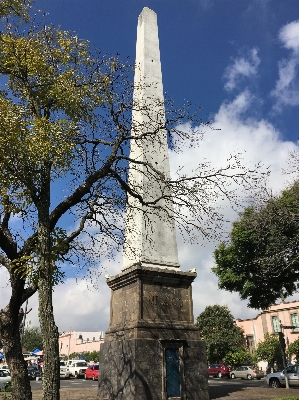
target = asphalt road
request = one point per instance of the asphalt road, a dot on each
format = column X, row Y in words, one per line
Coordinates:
column 220, row 389
column 242, row 383
column 229, row 384
column 68, row 384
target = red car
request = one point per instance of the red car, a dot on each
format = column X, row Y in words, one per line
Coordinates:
column 92, row 372
column 219, row 370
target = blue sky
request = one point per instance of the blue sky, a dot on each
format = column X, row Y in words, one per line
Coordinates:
column 239, row 60
column 199, row 40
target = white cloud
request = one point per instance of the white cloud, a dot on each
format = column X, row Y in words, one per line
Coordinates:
column 286, row 91
column 258, row 141
column 240, row 68
column 4, row 287
column 289, row 36
column 78, row 303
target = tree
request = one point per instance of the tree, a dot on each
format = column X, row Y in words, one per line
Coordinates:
column 65, row 122
column 293, row 349
column 18, row 8
column 32, row 339
column 261, row 261
column 221, row 334
column 92, row 355
column 240, row 356
column 89, row 355
column 269, row 350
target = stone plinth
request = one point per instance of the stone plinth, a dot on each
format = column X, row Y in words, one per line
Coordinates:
column 151, row 311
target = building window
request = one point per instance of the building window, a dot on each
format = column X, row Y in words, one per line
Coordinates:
column 276, row 324
column 87, row 340
column 93, row 338
column 295, row 322
column 250, row 344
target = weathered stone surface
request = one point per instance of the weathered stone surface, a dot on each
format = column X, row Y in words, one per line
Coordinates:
column 130, row 370
column 135, row 370
column 149, row 230
column 150, row 298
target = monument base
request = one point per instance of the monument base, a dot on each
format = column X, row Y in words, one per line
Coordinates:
column 152, row 349
column 135, row 369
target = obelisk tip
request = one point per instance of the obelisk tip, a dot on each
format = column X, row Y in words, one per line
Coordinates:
column 147, row 13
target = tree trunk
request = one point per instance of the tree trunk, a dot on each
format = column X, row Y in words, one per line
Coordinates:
column 10, row 337
column 51, row 374
column 49, row 331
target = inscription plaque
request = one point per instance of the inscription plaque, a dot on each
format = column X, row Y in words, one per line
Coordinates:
column 160, row 303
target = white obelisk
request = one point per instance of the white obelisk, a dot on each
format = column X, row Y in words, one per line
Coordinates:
column 150, row 238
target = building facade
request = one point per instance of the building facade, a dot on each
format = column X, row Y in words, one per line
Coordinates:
column 80, row 341
column 270, row 321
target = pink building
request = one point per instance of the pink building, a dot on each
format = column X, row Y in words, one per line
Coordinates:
column 268, row 321
column 79, row 341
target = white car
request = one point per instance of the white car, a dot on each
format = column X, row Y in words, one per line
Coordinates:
column 64, row 370
column 5, row 378
column 77, row 368
column 5, row 368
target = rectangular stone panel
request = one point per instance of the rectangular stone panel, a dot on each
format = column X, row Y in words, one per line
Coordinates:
column 124, row 303
column 160, row 303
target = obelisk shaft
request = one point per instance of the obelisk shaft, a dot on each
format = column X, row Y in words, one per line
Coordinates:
column 150, row 237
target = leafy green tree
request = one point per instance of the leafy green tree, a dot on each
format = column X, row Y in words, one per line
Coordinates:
column 269, row 350
column 32, row 339
column 73, row 356
column 18, row 8
column 261, row 261
column 240, row 356
column 293, row 349
column 90, row 355
column 221, row 334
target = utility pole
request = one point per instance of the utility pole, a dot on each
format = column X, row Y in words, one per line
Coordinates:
column 68, row 354
column 283, row 350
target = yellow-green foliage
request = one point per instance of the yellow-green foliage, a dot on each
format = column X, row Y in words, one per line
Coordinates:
column 53, row 86
column 17, row 8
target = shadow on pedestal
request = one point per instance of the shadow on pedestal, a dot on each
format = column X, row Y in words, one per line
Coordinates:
column 152, row 349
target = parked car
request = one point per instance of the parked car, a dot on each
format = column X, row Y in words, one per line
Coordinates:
column 247, row 372
column 92, row 372
column 64, row 370
column 77, row 368
column 219, row 370
column 33, row 372
column 5, row 368
column 5, row 379
column 278, row 379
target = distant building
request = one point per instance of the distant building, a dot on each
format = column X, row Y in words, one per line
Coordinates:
column 80, row 341
column 268, row 321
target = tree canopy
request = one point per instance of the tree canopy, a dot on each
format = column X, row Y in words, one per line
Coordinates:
column 89, row 355
column 221, row 334
column 293, row 349
column 18, row 8
column 240, row 356
column 32, row 339
column 269, row 350
column 261, row 261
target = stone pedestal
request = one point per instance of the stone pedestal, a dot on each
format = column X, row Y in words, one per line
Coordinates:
column 152, row 318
